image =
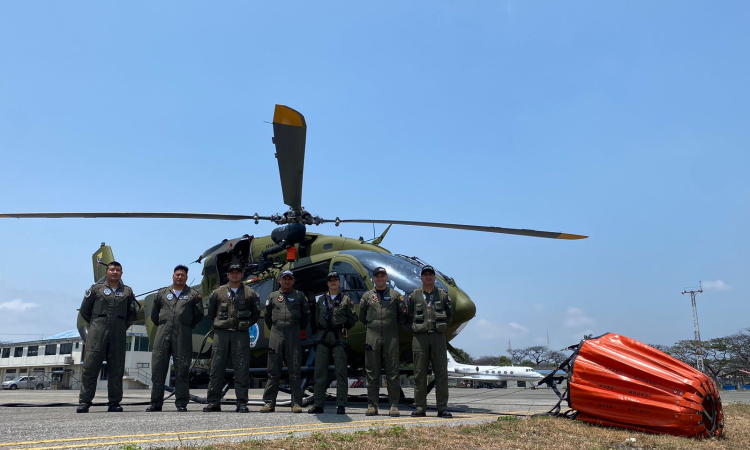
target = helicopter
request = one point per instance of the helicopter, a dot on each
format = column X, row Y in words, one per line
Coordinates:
column 310, row 256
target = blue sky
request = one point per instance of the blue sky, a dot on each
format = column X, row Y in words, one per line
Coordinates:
column 625, row 121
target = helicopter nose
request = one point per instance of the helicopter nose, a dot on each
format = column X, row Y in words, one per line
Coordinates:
column 464, row 310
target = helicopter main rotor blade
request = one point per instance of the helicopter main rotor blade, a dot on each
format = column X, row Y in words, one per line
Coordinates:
column 132, row 215
column 289, row 134
column 520, row 232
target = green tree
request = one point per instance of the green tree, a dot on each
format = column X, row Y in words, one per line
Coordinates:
column 739, row 345
column 461, row 356
column 537, row 355
column 518, row 355
column 486, row 360
column 504, row 361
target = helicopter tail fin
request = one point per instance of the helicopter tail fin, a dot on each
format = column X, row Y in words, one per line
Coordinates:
column 380, row 238
column 101, row 257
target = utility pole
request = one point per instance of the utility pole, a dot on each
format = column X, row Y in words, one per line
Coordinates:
column 698, row 351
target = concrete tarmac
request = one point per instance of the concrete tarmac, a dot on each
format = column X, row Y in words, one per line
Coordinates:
column 38, row 427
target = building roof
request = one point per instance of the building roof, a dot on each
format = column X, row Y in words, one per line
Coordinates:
column 134, row 330
column 70, row 334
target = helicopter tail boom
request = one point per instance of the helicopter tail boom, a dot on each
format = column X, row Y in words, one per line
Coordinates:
column 101, row 257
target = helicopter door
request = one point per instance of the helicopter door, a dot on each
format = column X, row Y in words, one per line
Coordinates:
column 352, row 276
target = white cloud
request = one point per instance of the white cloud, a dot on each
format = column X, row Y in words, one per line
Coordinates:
column 488, row 330
column 717, row 285
column 518, row 327
column 576, row 317
column 17, row 305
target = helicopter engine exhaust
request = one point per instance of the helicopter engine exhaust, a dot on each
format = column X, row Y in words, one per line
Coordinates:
column 291, row 234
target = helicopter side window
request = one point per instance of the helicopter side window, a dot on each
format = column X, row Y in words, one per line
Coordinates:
column 352, row 283
column 263, row 289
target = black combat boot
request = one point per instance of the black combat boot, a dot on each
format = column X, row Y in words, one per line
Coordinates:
column 242, row 408
column 114, row 407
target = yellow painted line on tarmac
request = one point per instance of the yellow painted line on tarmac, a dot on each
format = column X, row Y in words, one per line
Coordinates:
column 227, row 433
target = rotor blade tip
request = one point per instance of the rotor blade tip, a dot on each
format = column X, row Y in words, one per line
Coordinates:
column 571, row 237
column 285, row 115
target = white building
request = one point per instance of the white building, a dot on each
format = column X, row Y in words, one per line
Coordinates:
column 58, row 360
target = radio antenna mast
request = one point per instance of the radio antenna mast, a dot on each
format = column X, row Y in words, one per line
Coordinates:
column 698, row 351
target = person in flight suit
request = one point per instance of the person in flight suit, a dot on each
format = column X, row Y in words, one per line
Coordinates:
column 233, row 308
column 176, row 311
column 109, row 307
column 335, row 317
column 430, row 314
column 287, row 314
column 382, row 310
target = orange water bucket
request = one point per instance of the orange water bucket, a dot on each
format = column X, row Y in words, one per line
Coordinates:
column 619, row 382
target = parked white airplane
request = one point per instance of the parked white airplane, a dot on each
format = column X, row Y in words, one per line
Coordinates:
column 491, row 374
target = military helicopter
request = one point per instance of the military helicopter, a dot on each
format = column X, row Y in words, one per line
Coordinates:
column 311, row 256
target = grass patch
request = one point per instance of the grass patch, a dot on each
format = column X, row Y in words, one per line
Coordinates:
column 507, row 432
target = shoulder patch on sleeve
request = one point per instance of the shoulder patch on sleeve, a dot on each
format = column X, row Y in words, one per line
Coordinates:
column 88, row 293
column 268, row 301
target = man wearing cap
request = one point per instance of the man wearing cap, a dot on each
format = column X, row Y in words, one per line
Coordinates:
column 430, row 314
column 176, row 310
column 287, row 314
column 233, row 308
column 335, row 317
column 110, row 308
column 382, row 310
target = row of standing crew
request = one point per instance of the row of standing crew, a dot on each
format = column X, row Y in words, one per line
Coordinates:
column 110, row 307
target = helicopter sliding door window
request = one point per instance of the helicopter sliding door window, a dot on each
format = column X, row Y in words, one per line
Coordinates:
column 263, row 289
column 352, row 283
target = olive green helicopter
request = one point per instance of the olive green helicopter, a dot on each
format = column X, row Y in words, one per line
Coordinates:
column 310, row 256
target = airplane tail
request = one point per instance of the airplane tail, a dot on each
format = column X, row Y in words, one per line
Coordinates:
column 451, row 361
column 100, row 259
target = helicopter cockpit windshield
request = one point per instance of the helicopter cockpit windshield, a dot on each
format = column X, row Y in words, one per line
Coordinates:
column 403, row 275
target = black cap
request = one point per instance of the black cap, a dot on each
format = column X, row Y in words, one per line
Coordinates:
column 286, row 273
column 379, row 270
column 427, row 269
column 333, row 274
column 234, row 266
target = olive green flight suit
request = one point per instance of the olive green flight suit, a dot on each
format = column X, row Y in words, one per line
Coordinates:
column 287, row 313
column 233, row 314
column 334, row 316
column 175, row 317
column 430, row 315
column 382, row 313
column 109, row 313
